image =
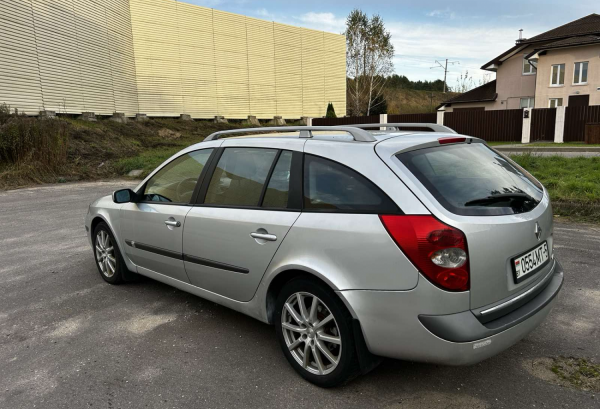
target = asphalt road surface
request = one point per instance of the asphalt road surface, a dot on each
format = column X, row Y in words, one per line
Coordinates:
column 563, row 154
column 69, row 340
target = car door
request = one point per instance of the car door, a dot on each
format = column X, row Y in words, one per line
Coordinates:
column 245, row 210
column 152, row 228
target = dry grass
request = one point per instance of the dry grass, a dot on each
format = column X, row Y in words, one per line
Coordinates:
column 96, row 150
column 405, row 101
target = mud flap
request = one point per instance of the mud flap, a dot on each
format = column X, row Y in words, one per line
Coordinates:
column 366, row 359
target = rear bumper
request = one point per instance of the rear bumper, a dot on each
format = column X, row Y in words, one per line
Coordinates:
column 467, row 327
column 392, row 328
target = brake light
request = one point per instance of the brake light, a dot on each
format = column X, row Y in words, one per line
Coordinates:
column 443, row 141
column 439, row 251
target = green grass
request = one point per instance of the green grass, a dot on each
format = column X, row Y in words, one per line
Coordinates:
column 147, row 161
column 502, row 143
column 546, row 144
column 577, row 372
column 573, row 183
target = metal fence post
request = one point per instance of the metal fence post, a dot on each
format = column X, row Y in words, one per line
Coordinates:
column 440, row 118
column 526, row 133
column 382, row 120
column 559, row 126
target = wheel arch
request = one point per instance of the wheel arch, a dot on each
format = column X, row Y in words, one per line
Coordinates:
column 281, row 278
column 367, row 361
column 131, row 267
column 96, row 221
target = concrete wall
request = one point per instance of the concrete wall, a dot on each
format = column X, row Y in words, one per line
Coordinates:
column 164, row 58
column 67, row 56
column 568, row 56
column 512, row 84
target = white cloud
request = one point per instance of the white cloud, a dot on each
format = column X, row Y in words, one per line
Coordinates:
column 264, row 13
column 473, row 46
column 516, row 16
column 323, row 21
column 445, row 13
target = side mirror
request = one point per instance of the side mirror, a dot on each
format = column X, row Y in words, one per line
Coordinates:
column 124, row 196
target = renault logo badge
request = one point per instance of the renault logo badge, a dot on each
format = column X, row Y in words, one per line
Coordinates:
column 537, row 231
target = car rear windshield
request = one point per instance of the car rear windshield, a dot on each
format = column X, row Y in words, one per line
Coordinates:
column 474, row 180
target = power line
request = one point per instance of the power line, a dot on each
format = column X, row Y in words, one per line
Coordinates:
column 445, row 68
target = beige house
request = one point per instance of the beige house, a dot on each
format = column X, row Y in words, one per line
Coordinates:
column 557, row 68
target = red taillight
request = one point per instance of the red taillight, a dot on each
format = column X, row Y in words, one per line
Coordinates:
column 443, row 141
column 432, row 247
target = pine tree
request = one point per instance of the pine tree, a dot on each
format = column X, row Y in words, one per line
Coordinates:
column 330, row 111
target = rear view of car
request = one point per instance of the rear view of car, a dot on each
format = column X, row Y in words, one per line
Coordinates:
column 484, row 253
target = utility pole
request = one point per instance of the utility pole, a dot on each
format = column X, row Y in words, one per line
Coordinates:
column 445, row 68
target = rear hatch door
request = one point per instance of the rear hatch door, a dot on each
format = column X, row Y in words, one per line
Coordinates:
column 504, row 212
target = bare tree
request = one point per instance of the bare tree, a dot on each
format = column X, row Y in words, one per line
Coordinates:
column 369, row 60
column 485, row 78
column 356, row 39
column 464, row 82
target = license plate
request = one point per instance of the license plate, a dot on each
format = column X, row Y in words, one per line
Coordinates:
column 530, row 262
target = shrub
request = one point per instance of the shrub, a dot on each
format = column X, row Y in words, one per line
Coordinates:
column 24, row 140
column 330, row 111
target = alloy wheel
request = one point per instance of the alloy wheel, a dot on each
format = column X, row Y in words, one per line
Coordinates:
column 311, row 333
column 105, row 254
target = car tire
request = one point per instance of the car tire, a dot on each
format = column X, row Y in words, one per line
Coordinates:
column 109, row 261
column 309, row 339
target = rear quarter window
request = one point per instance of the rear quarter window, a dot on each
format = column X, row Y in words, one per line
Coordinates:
column 330, row 186
column 473, row 180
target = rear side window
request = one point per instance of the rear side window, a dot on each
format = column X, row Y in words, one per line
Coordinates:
column 330, row 186
column 474, row 180
column 278, row 189
column 240, row 176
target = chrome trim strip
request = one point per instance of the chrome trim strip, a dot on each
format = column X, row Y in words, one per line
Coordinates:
column 522, row 295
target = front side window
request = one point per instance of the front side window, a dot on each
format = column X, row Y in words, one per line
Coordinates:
column 473, row 180
column 528, row 68
column 557, row 75
column 555, row 102
column 580, row 73
column 175, row 183
column 330, row 186
column 239, row 177
column 527, row 102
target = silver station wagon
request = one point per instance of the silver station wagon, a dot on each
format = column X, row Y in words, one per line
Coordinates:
column 356, row 242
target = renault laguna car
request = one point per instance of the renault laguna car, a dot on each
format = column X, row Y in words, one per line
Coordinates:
column 355, row 243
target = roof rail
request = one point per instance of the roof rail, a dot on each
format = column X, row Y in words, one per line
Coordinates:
column 358, row 134
column 397, row 126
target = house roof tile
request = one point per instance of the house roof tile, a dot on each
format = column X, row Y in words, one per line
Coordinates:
column 483, row 93
column 571, row 33
column 585, row 25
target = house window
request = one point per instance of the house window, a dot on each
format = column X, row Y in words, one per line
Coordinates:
column 528, row 69
column 527, row 102
column 580, row 73
column 555, row 102
column 557, row 75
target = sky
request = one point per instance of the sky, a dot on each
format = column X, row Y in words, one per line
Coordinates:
column 469, row 32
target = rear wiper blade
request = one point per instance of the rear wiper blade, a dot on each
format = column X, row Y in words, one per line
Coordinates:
column 501, row 197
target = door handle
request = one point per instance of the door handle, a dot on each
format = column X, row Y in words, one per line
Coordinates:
column 173, row 223
column 263, row 236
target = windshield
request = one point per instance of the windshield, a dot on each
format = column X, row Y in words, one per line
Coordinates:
column 474, row 180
